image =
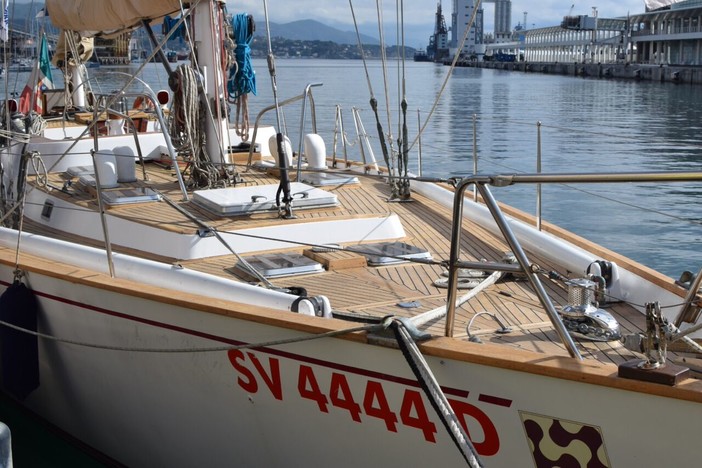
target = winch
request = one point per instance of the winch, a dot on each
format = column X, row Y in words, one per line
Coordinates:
column 582, row 317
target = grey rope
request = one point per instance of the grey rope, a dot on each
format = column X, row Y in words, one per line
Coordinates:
column 436, row 396
column 186, row 128
column 364, row 328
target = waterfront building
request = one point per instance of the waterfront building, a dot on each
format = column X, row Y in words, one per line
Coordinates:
column 582, row 39
column 460, row 19
column 669, row 35
column 463, row 11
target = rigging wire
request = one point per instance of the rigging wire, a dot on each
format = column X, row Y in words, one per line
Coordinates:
column 374, row 107
column 449, row 72
column 403, row 159
column 112, row 99
column 284, row 186
column 219, row 237
column 384, row 67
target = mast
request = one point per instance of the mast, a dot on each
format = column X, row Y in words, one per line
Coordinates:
column 208, row 31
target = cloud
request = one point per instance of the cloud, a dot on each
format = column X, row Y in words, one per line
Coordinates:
column 417, row 12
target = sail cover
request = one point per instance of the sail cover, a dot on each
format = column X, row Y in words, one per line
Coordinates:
column 108, row 16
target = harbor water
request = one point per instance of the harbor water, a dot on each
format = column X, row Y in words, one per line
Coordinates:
column 586, row 125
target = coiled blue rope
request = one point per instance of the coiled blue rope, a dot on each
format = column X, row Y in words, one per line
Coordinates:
column 242, row 79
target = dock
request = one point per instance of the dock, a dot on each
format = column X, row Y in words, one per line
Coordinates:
column 628, row 71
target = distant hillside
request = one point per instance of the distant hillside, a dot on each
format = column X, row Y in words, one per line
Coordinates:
column 311, row 30
column 23, row 14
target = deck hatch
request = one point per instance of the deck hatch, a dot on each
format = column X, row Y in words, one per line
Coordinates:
column 255, row 198
column 389, row 253
column 77, row 171
column 128, row 196
column 277, row 265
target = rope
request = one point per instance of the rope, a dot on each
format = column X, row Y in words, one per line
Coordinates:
column 242, row 78
column 449, row 72
column 388, row 153
column 185, row 126
column 384, row 63
column 18, row 210
column 37, row 123
column 403, row 140
column 365, row 328
column 284, row 209
column 42, row 176
column 374, row 105
column 436, row 396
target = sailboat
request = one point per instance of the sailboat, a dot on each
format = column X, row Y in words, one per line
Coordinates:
column 178, row 292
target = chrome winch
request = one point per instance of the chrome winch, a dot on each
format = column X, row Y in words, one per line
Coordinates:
column 582, row 317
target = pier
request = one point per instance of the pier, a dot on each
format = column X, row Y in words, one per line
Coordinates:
column 642, row 72
column 663, row 45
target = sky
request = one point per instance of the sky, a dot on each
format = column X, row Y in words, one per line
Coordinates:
column 419, row 14
column 540, row 13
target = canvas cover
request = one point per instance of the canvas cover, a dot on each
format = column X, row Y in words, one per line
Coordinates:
column 107, row 16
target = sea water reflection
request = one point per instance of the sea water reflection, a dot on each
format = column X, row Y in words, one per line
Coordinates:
column 587, row 125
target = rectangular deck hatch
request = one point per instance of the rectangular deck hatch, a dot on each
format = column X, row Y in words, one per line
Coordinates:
column 245, row 200
column 388, row 253
column 127, row 196
column 77, row 171
column 277, row 265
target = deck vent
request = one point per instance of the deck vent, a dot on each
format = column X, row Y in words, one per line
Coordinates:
column 277, row 265
column 47, row 209
column 390, row 253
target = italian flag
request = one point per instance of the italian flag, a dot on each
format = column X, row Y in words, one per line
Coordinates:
column 39, row 80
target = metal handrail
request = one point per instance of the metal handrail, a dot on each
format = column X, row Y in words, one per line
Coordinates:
column 307, row 93
column 690, row 299
column 481, row 182
column 97, row 111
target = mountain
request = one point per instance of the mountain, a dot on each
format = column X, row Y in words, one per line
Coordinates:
column 311, row 30
column 23, row 14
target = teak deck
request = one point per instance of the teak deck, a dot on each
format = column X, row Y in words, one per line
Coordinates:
column 355, row 288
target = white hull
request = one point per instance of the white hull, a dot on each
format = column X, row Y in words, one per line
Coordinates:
column 136, row 358
column 275, row 406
